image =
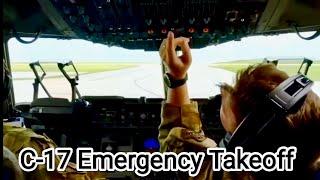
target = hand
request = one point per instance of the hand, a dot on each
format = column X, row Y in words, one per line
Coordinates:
column 176, row 66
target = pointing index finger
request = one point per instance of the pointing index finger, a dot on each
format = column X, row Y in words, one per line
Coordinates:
column 171, row 47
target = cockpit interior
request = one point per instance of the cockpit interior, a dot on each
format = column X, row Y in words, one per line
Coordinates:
column 116, row 123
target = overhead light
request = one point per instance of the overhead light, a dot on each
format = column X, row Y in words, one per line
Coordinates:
column 191, row 30
column 205, row 30
column 150, row 31
column 164, row 30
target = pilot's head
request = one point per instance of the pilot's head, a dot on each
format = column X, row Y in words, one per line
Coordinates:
column 248, row 95
column 301, row 128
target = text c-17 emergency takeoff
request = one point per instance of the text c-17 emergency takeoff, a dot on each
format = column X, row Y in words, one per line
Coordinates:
column 143, row 163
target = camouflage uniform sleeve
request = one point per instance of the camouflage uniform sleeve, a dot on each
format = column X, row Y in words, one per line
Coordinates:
column 16, row 138
column 181, row 129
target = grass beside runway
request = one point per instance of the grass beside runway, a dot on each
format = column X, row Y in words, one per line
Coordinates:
column 290, row 67
column 82, row 68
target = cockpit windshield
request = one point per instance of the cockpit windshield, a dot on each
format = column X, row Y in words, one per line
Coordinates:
column 115, row 71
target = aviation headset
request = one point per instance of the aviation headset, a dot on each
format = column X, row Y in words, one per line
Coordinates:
column 286, row 98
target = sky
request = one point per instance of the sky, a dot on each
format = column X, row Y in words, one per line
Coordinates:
column 257, row 47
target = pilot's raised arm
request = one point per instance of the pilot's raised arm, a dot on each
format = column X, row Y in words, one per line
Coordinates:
column 180, row 128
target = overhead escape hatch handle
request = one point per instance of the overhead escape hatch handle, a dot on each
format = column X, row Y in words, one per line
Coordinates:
column 73, row 81
column 38, row 80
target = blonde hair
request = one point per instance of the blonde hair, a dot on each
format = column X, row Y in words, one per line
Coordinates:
column 249, row 94
column 255, row 82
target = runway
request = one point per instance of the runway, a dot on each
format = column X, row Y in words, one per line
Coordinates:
column 144, row 80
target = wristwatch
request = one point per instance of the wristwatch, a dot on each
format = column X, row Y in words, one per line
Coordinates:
column 171, row 82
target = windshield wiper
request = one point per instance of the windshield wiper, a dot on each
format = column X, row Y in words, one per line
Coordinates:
column 38, row 80
column 73, row 81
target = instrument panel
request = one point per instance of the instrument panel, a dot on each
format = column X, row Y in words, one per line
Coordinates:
column 113, row 112
column 119, row 112
column 113, row 123
column 142, row 24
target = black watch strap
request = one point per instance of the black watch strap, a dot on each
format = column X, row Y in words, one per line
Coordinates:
column 171, row 82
